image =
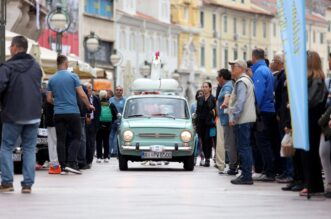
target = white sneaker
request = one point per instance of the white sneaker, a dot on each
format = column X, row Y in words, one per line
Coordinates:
column 106, row 160
column 99, row 160
column 239, row 173
column 144, row 162
column 159, row 163
column 257, row 176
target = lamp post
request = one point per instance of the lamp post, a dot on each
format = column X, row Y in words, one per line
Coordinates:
column 116, row 59
column 92, row 45
column 3, row 14
column 59, row 22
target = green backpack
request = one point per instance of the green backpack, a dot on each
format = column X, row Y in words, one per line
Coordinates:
column 106, row 115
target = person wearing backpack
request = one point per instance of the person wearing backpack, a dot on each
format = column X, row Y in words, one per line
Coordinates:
column 108, row 114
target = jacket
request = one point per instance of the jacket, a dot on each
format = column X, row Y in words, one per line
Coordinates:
column 264, row 86
column 20, row 89
column 246, row 113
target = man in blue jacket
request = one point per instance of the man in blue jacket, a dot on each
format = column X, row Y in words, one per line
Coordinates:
column 20, row 95
column 264, row 94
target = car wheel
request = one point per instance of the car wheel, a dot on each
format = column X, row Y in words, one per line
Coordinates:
column 122, row 162
column 189, row 163
column 18, row 166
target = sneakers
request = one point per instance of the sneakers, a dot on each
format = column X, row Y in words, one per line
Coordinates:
column 99, row 160
column 257, row 176
column 26, row 189
column 202, row 163
column 232, row 172
column 265, row 178
column 54, row 169
column 73, row 169
column 284, row 179
column 6, row 188
column 106, row 160
column 242, row 181
column 207, row 163
column 64, row 172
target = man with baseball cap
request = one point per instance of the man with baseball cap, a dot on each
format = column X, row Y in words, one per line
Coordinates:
column 242, row 115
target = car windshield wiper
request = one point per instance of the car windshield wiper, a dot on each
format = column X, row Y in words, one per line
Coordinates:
column 165, row 115
column 136, row 115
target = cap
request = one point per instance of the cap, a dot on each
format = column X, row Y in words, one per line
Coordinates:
column 241, row 63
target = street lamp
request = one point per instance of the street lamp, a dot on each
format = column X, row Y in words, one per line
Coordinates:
column 3, row 14
column 59, row 22
column 116, row 59
column 92, row 45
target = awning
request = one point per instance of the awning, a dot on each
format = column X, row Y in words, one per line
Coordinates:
column 47, row 59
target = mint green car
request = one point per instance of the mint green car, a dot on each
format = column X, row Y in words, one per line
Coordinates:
column 157, row 128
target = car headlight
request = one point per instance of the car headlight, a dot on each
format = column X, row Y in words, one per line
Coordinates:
column 186, row 136
column 127, row 135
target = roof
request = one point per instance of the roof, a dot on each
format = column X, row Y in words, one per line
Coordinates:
column 271, row 5
column 253, row 9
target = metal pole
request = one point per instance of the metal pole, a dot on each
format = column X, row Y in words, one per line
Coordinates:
column 115, row 77
column 59, row 43
column 3, row 14
column 93, row 59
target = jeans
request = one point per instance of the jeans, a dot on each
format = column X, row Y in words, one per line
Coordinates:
column 103, row 140
column 264, row 143
column 65, row 123
column 230, row 146
column 113, row 138
column 10, row 134
column 242, row 137
column 51, row 141
column 82, row 149
column 91, row 131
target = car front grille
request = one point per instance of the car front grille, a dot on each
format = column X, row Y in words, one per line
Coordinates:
column 157, row 135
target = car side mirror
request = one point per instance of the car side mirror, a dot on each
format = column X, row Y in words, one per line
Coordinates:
column 119, row 116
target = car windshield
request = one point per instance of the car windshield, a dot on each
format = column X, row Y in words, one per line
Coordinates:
column 156, row 107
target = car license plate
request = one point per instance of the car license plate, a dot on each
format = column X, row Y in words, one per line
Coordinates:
column 42, row 132
column 41, row 140
column 17, row 157
column 156, row 155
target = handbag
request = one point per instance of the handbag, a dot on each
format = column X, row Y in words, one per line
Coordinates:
column 287, row 148
column 212, row 132
column 324, row 123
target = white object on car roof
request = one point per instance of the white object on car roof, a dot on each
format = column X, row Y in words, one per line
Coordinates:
column 148, row 85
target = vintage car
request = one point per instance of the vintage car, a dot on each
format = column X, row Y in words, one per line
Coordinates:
column 156, row 125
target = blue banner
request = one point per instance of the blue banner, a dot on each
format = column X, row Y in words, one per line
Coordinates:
column 292, row 19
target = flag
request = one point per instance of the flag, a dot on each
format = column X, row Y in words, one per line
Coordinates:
column 293, row 31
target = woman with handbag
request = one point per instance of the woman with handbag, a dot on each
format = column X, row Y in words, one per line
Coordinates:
column 317, row 95
column 206, row 120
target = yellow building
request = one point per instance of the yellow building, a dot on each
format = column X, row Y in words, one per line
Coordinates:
column 185, row 13
column 239, row 28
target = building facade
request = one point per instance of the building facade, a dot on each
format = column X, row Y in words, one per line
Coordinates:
column 185, row 13
column 26, row 16
column 140, row 33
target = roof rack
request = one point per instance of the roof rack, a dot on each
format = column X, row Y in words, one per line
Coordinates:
column 145, row 85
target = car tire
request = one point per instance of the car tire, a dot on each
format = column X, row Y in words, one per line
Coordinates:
column 122, row 162
column 189, row 163
column 18, row 167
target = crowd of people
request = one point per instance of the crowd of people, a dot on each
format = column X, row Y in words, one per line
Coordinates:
column 251, row 115
column 245, row 122
column 79, row 121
